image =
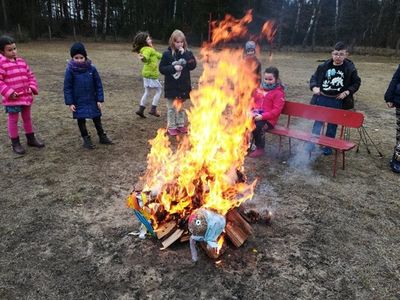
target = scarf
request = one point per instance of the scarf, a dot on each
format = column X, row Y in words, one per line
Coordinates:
column 80, row 67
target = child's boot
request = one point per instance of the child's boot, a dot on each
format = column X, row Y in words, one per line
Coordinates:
column 33, row 141
column 153, row 111
column 87, row 142
column 140, row 112
column 16, row 146
column 104, row 139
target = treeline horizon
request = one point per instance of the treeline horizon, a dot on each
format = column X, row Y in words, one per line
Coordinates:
column 299, row 23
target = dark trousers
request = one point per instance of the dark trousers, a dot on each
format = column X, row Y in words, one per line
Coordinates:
column 398, row 125
column 258, row 133
column 97, row 124
column 327, row 102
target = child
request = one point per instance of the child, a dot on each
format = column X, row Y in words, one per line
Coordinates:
column 83, row 93
column 17, row 86
column 143, row 45
column 392, row 98
column 333, row 84
column 252, row 60
column 268, row 103
column 176, row 64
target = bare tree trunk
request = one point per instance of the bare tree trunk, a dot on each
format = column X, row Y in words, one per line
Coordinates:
column 78, row 12
column 33, row 13
column 3, row 5
column 398, row 46
column 296, row 24
column 316, row 26
column 174, row 12
column 280, row 26
column 379, row 22
column 105, row 19
column 336, row 19
column 312, row 21
column 394, row 31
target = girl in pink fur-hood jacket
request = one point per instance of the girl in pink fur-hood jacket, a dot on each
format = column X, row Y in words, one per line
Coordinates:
column 268, row 102
column 17, row 87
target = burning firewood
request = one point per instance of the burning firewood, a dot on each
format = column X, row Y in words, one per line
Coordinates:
column 195, row 187
column 237, row 229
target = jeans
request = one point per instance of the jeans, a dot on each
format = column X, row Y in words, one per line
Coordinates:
column 327, row 102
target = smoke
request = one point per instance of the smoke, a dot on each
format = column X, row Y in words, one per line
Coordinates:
column 265, row 198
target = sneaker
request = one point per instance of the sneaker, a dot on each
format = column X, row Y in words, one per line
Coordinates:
column 257, row 153
column 327, row 151
column 173, row 131
column 183, row 129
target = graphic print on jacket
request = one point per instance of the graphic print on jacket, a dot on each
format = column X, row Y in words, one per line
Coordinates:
column 333, row 82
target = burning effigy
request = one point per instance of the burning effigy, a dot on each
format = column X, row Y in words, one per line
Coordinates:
column 192, row 192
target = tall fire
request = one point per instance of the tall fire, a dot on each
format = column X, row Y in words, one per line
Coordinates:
column 193, row 189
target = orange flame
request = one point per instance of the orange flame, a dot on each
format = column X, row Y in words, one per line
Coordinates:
column 203, row 170
column 230, row 28
column 220, row 243
column 269, row 30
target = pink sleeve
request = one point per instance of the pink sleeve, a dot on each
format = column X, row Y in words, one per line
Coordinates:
column 5, row 90
column 32, row 81
column 278, row 102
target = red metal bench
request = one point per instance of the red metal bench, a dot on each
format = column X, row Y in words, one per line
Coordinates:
column 343, row 118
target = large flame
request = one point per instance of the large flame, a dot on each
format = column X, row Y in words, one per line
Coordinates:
column 203, row 169
column 230, row 28
column 206, row 169
column 269, row 31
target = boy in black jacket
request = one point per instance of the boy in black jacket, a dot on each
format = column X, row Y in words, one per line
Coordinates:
column 333, row 85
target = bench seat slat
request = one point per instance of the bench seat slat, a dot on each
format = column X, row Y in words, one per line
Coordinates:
column 338, row 144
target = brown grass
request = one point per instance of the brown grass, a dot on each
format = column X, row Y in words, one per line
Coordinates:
column 64, row 223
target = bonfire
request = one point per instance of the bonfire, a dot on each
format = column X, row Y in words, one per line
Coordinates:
column 191, row 192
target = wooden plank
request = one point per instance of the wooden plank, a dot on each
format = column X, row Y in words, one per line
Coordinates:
column 236, row 235
column 234, row 216
column 165, row 229
column 172, row 238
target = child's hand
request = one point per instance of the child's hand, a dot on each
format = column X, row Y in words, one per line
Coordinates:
column 72, row 108
column 390, row 104
column 181, row 50
column 343, row 95
column 316, row 90
column 178, row 68
column 99, row 105
column 257, row 117
column 14, row 96
column 140, row 55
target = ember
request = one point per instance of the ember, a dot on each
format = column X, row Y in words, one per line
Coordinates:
column 205, row 173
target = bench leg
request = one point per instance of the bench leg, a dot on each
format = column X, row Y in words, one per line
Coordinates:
column 343, row 159
column 335, row 163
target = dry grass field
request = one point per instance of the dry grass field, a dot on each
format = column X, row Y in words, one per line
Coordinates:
column 64, row 221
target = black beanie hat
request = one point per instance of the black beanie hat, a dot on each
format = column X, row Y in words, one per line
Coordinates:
column 78, row 48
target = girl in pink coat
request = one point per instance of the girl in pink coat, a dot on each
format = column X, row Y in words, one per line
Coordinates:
column 268, row 102
column 17, row 86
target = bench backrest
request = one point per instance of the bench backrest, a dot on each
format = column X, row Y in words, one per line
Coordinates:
column 342, row 117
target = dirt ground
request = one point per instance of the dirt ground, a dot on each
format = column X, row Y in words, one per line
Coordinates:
column 64, row 221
